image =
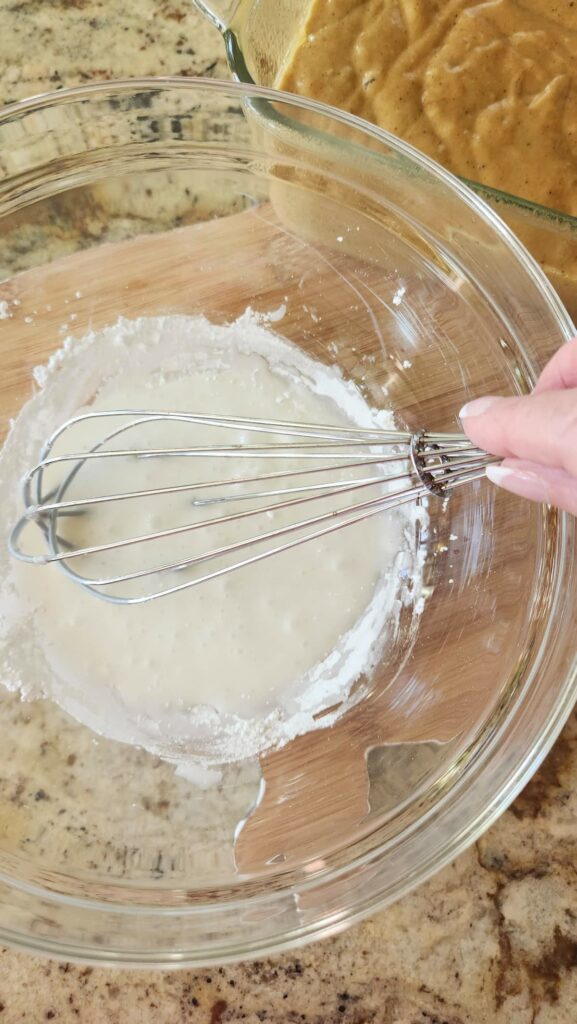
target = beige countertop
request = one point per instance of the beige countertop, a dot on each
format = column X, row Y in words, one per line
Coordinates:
column 490, row 940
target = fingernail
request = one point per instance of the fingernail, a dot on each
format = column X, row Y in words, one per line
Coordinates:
column 522, row 482
column 479, row 406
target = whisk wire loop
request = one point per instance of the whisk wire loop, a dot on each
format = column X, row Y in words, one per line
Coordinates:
column 405, row 467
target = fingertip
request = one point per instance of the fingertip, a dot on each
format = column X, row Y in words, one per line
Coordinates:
column 527, row 483
column 543, row 484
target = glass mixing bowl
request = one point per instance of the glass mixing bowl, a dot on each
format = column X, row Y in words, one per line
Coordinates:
column 393, row 270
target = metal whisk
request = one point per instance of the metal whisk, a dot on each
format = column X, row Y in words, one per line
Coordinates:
column 400, row 466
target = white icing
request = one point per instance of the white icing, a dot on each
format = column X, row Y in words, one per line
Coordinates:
column 228, row 669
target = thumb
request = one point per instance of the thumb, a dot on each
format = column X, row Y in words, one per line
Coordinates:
column 540, row 428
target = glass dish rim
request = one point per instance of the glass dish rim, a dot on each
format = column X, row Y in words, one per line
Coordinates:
column 464, row 188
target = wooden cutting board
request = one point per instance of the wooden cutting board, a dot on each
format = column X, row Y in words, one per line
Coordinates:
column 219, row 268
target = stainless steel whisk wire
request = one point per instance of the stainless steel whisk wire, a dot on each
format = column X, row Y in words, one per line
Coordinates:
column 432, row 464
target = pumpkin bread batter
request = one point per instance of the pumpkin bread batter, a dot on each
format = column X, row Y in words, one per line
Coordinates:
column 488, row 89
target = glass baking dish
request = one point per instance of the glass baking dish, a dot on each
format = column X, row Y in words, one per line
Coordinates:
column 259, row 36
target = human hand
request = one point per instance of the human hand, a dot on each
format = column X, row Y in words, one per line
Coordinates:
column 536, row 434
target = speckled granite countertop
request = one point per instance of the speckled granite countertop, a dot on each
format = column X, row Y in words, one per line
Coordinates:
column 490, row 940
